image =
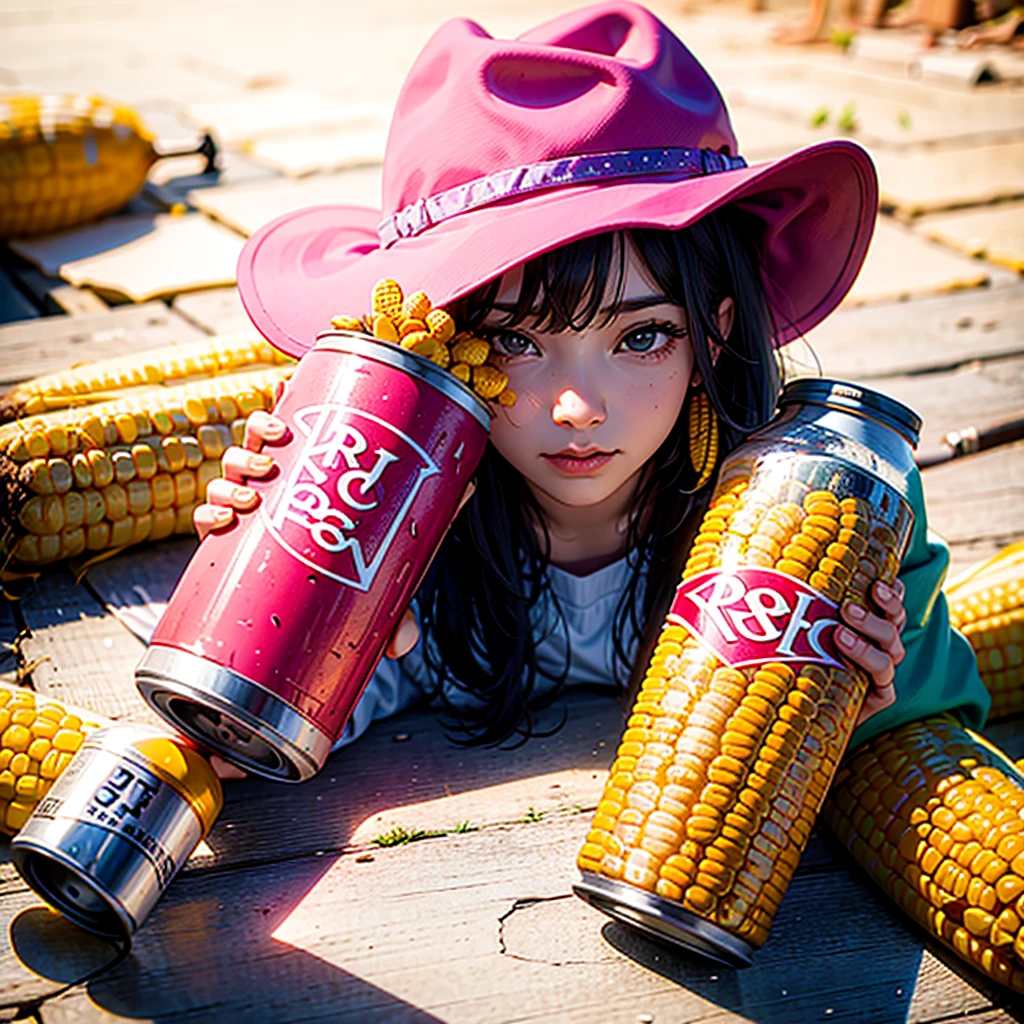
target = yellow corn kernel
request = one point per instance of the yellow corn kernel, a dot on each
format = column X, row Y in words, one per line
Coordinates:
column 489, row 381
column 470, row 350
column 962, row 893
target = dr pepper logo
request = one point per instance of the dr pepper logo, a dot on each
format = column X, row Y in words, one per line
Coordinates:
column 347, row 493
column 753, row 615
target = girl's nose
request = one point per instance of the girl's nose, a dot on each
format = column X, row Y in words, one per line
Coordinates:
column 572, row 410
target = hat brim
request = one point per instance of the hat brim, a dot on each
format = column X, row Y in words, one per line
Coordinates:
column 818, row 205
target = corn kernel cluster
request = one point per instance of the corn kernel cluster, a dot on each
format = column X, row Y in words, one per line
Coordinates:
column 38, row 738
column 987, row 605
column 411, row 321
column 65, row 159
column 100, row 477
column 935, row 815
column 721, row 771
column 102, row 380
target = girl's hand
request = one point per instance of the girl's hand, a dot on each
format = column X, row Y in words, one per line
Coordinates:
column 874, row 644
column 228, row 495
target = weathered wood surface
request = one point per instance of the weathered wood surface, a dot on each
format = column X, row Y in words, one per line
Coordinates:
column 281, row 916
column 54, row 343
column 315, row 931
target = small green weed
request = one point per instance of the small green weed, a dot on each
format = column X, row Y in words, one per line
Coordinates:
column 847, row 120
column 465, row 826
column 532, row 814
column 819, row 117
column 397, row 835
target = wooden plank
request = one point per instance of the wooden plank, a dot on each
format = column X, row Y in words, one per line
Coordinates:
column 55, row 343
column 215, row 310
column 975, row 394
column 978, row 497
column 89, row 658
column 926, row 335
column 53, row 295
column 482, row 927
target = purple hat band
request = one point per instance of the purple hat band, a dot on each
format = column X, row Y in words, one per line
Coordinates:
column 586, row 169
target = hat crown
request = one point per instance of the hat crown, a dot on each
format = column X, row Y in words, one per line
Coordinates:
column 605, row 78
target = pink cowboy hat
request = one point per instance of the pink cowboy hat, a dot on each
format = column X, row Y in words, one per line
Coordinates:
column 501, row 150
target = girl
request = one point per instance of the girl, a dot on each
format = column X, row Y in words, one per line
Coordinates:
column 576, row 197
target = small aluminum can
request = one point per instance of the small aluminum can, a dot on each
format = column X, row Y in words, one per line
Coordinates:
column 107, row 839
column 747, row 704
column 278, row 622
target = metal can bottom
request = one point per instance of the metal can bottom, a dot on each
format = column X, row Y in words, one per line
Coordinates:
column 70, row 891
column 664, row 920
column 231, row 715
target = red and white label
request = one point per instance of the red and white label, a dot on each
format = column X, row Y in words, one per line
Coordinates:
column 347, row 493
column 750, row 616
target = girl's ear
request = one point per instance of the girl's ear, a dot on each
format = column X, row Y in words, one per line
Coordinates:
column 725, row 316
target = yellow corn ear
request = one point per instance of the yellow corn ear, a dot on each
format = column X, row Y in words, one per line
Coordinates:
column 66, row 159
column 127, row 471
column 721, row 771
column 935, row 814
column 106, row 379
column 986, row 604
column 38, row 737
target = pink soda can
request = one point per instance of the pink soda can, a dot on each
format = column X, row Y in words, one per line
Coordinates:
column 278, row 622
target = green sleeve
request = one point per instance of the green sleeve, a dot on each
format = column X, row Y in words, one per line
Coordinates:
column 939, row 672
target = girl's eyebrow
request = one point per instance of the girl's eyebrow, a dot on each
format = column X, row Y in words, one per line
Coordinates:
column 625, row 306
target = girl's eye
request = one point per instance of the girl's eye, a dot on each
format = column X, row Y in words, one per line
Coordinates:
column 510, row 343
column 651, row 338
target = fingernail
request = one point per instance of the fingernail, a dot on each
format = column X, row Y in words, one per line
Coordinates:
column 245, row 494
column 884, row 591
column 260, row 462
column 845, row 636
column 275, row 428
column 408, row 634
column 856, row 612
column 222, row 513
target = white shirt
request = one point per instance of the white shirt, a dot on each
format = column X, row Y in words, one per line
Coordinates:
column 588, row 604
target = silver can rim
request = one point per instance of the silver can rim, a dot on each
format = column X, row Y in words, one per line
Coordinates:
column 663, row 919
column 419, row 366
column 25, row 852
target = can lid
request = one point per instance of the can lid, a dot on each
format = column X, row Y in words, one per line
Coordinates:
column 394, row 355
column 838, row 394
column 174, row 760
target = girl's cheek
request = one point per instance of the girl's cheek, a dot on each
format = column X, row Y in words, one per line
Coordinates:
column 524, row 411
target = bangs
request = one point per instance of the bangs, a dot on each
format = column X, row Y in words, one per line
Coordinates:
column 561, row 290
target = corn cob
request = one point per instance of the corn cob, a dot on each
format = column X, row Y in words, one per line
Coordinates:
column 90, row 383
column 66, row 159
column 412, row 323
column 935, row 814
column 38, row 737
column 986, row 604
column 721, row 770
column 106, row 476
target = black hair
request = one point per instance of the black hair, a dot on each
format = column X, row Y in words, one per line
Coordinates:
column 478, row 602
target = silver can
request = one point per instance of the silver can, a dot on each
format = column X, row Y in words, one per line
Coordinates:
column 117, row 825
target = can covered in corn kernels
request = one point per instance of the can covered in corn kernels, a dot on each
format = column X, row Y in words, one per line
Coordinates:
column 278, row 622
column 116, row 826
column 747, row 704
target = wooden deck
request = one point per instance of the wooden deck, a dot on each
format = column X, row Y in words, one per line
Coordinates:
column 292, row 913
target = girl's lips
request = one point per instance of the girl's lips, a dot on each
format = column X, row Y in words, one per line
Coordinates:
column 573, row 464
